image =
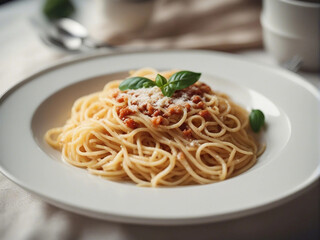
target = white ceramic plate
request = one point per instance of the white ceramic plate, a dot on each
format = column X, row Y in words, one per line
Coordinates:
column 289, row 164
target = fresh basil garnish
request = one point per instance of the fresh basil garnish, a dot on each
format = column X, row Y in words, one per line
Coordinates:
column 177, row 81
column 136, row 83
column 160, row 80
column 183, row 79
column 256, row 119
column 167, row 90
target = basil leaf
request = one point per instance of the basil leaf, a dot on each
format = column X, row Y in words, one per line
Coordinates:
column 160, row 80
column 148, row 84
column 183, row 79
column 136, row 83
column 167, row 90
column 256, row 119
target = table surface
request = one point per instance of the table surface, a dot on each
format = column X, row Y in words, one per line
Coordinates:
column 23, row 216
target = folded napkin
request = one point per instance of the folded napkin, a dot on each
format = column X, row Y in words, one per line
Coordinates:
column 226, row 25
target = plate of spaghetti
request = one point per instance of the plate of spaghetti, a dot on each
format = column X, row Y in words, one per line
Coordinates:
column 173, row 137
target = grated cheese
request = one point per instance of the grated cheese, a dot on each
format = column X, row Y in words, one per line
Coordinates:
column 194, row 143
column 141, row 97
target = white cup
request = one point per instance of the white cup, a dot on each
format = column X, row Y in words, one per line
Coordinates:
column 291, row 29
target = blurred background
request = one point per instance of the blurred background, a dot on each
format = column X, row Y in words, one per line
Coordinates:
column 33, row 36
column 5, row 1
column 278, row 33
column 39, row 28
column 226, row 25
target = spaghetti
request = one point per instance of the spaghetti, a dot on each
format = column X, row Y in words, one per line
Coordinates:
column 197, row 136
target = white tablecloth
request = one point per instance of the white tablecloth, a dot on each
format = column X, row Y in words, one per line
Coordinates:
column 23, row 216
